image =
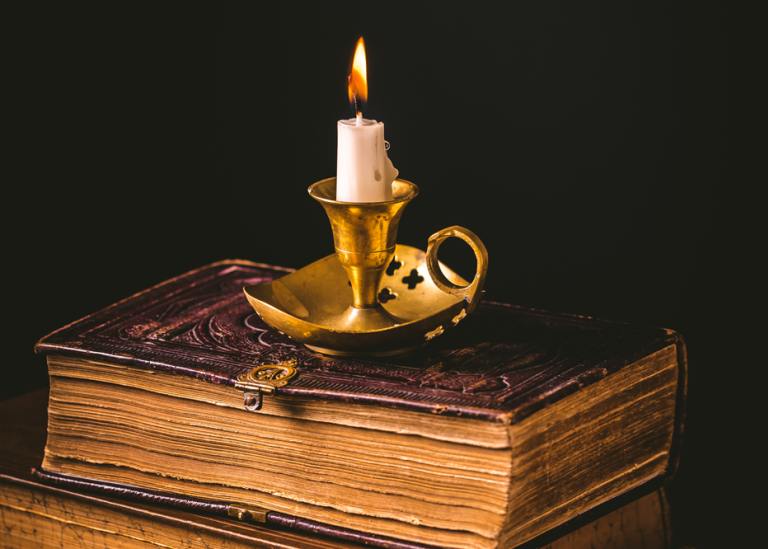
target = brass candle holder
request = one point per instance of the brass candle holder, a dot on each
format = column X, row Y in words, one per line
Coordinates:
column 334, row 305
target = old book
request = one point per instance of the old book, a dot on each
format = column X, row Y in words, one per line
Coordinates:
column 518, row 424
column 36, row 515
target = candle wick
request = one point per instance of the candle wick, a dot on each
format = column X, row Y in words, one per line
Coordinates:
column 358, row 112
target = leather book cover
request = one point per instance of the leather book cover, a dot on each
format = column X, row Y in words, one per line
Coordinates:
column 504, row 364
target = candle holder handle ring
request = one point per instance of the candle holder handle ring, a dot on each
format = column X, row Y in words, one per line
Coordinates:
column 472, row 292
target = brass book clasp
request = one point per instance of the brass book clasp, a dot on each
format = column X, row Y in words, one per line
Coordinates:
column 264, row 379
column 242, row 512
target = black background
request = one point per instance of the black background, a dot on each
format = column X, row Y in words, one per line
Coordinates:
column 590, row 147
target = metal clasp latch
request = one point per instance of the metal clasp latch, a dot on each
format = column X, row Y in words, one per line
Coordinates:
column 265, row 379
column 243, row 512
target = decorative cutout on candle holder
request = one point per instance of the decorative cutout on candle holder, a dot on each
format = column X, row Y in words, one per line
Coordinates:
column 434, row 333
column 459, row 317
column 386, row 295
column 393, row 266
column 413, row 279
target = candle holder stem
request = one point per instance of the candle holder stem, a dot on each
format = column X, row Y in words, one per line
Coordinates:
column 365, row 236
column 365, row 285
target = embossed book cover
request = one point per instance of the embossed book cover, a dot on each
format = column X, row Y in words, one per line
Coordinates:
column 512, row 426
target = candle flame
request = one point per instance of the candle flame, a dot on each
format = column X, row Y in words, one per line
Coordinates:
column 358, row 79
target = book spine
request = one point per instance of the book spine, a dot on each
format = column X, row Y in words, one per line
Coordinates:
column 217, row 508
column 680, row 405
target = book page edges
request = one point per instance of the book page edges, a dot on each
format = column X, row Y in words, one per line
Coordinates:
column 462, row 430
column 628, row 423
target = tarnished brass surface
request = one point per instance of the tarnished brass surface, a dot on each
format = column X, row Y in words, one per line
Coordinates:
column 314, row 306
column 364, row 234
column 264, row 379
column 333, row 305
column 473, row 292
column 246, row 512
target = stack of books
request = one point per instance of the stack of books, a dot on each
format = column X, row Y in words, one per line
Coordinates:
column 515, row 431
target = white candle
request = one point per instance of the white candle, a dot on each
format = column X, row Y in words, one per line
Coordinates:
column 364, row 172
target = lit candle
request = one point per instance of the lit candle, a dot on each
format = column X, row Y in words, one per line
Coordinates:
column 364, row 172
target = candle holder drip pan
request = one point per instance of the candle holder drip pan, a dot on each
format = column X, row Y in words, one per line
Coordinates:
column 314, row 306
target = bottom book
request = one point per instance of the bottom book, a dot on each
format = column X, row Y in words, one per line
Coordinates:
column 33, row 514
